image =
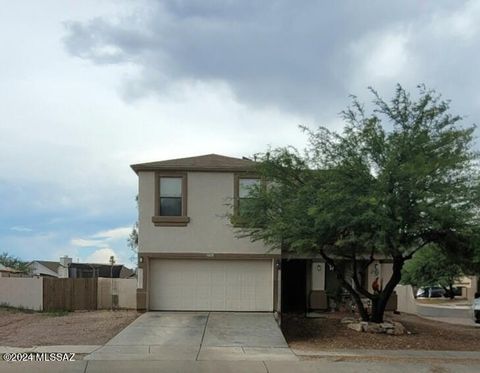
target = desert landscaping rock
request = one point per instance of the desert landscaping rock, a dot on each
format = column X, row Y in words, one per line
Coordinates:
column 373, row 328
column 399, row 329
column 387, row 325
column 391, row 328
column 328, row 333
column 355, row 326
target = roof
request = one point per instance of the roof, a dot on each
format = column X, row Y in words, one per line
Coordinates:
column 208, row 162
column 104, row 270
column 52, row 266
column 8, row 269
column 126, row 272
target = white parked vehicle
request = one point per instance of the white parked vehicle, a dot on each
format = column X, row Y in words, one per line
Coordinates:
column 476, row 308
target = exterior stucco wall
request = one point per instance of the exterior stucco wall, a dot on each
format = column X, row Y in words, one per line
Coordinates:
column 22, row 292
column 124, row 288
column 383, row 271
column 406, row 300
column 209, row 229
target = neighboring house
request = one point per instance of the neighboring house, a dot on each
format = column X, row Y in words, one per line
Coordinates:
column 469, row 286
column 46, row 268
column 65, row 268
column 191, row 256
column 89, row 270
column 10, row 272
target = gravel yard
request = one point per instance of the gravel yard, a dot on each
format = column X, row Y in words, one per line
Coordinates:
column 327, row 333
column 27, row 329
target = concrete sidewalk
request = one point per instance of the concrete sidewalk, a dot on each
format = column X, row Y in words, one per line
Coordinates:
column 302, row 354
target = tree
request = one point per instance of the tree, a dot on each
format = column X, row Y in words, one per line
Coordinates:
column 432, row 267
column 393, row 182
column 13, row 262
column 132, row 240
column 470, row 263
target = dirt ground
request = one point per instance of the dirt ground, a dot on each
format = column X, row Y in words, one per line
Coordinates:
column 327, row 333
column 27, row 329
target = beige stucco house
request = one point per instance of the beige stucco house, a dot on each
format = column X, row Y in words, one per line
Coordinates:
column 50, row 268
column 192, row 258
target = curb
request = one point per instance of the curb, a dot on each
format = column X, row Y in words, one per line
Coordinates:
column 416, row 354
column 78, row 349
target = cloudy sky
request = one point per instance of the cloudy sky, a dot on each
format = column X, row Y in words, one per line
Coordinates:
column 89, row 87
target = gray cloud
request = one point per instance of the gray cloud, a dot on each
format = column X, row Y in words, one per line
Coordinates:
column 301, row 57
column 222, row 76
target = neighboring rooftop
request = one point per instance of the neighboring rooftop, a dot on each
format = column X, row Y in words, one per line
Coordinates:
column 103, row 270
column 8, row 269
column 208, row 162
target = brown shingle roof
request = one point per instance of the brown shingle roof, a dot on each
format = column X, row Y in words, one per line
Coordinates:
column 208, row 162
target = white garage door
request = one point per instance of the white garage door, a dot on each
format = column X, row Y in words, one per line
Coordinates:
column 211, row 285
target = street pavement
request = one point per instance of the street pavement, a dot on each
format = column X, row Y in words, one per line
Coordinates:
column 342, row 361
column 455, row 320
column 315, row 366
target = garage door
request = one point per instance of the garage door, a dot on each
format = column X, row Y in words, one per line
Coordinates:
column 211, row 285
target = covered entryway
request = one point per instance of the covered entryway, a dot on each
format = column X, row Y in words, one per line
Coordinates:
column 211, row 285
column 294, row 285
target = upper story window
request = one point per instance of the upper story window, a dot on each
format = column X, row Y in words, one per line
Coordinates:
column 242, row 195
column 245, row 186
column 171, row 200
column 170, row 196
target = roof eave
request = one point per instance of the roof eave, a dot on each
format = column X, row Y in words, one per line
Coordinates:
column 139, row 168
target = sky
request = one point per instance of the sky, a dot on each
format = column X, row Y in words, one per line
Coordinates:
column 89, row 87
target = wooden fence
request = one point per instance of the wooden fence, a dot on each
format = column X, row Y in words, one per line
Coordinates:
column 69, row 294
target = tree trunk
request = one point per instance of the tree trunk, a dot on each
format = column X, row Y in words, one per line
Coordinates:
column 360, row 307
column 346, row 285
column 376, row 314
column 380, row 302
column 451, row 293
column 355, row 296
column 378, row 308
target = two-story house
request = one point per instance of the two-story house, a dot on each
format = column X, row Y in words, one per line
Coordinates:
column 190, row 255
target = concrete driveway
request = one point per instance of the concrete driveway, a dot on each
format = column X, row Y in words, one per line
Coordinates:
column 198, row 336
